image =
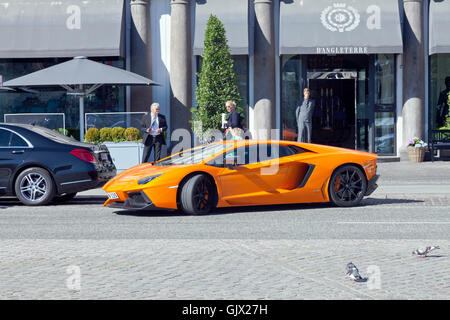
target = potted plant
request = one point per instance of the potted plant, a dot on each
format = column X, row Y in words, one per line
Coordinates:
column 416, row 149
column 124, row 145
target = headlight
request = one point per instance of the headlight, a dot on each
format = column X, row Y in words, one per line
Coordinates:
column 148, row 179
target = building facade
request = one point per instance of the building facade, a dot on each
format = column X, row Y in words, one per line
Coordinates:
column 376, row 69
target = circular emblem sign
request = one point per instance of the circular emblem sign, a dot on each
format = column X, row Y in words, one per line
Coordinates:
column 340, row 17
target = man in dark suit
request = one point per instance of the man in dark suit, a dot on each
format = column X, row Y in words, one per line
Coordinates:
column 153, row 126
column 304, row 113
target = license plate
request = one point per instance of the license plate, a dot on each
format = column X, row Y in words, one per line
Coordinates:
column 113, row 195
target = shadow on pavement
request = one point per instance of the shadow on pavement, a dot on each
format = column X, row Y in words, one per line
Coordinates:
column 223, row 211
column 266, row 208
column 8, row 202
column 380, row 201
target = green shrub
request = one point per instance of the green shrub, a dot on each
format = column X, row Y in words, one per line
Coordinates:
column 64, row 132
column 217, row 81
column 92, row 135
column 74, row 132
column 105, row 134
column 117, row 134
column 132, row 134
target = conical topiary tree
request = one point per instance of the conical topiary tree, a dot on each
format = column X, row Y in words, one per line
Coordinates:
column 217, row 82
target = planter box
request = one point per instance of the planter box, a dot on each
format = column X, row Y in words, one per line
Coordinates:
column 129, row 154
column 416, row 154
column 125, row 154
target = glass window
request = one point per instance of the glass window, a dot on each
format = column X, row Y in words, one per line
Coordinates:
column 5, row 136
column 194, row 156
column 292, row 84
column 254, row 153
column 384, row 132
column 440, row 91
column 17, row 141
column 385, row 104
column 384, row 79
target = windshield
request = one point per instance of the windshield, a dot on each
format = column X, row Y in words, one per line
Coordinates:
column 193, row 156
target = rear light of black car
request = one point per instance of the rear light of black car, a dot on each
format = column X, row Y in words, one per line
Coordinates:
column 84, row 155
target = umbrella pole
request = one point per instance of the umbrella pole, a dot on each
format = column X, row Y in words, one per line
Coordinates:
column 81, row 118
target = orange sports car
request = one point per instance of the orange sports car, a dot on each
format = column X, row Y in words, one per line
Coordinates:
column 246, row 173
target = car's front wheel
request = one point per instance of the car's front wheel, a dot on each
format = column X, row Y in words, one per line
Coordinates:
column 34, row 187
column 348, row 186
column 198, row 195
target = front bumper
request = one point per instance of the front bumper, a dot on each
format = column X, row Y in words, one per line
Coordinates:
column 135, row 201
column 372, row 185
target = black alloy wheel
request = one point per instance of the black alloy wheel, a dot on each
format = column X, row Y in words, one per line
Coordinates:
column 348, row 186
column 198, row 195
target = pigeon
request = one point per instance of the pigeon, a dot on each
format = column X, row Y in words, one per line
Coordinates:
column 423, row 252
column 353, row 273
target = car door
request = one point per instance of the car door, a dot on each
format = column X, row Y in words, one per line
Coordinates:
column 257, row 175
column 14, row 149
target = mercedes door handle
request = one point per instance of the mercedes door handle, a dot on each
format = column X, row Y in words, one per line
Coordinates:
column 17, row 151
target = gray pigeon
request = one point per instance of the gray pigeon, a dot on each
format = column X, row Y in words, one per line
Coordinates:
column 353, row 273
column 423, row 252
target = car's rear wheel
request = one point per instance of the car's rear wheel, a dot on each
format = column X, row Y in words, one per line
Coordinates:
column 198, row 195
column 34, row 187
column 65, row 197
column 347, row 187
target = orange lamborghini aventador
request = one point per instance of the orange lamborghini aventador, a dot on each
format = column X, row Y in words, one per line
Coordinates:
column 244, row 173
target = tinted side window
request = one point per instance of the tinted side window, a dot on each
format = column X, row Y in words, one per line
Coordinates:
column 5, row 136
column 273, row 151
column 17, row 141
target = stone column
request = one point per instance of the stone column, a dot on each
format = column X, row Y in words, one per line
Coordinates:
column 180, row 64
column 264, row 110
column 141, row 53
column 413, row 73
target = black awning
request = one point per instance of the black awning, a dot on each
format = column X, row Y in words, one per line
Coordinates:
column 63, row 28
column 439, row 26
column 340, row 27
column 232, row 13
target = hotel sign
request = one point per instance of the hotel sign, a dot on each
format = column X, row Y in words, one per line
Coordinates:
column 342, row 50
column 343, row 18
column 340, row 27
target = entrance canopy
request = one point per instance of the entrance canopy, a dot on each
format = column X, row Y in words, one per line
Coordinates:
column 63, row 28
column 232, row 13
column 341, row 27
column 439, row 26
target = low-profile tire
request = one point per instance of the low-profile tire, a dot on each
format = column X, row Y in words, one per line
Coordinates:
column 34, row 187
column 65, row 197
column 198, row 195
column 348, row 186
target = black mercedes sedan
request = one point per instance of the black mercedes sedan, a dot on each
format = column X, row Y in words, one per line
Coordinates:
column 38, row 165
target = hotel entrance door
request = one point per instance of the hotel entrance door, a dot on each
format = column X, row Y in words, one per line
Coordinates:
column 334, row 120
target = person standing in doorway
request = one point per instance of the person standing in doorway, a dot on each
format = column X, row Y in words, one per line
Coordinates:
column 153, row 126
column 304, row 113
column 443, row 104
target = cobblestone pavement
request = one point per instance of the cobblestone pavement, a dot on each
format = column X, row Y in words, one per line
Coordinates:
column 80, row 250
column 220, row 269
